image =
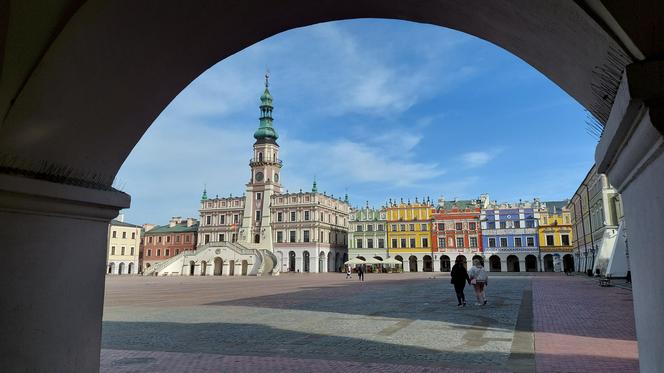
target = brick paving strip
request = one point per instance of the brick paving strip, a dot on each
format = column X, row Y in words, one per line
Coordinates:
column 581, row 327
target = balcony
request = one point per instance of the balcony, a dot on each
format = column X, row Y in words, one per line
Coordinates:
column 266, row 162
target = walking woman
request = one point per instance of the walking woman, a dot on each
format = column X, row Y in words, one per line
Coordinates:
column 479, row 279
column 459, row 279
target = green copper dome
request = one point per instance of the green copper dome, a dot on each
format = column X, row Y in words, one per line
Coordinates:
column 266, row 131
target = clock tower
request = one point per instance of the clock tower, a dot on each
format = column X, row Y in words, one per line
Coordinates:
column 265, row 178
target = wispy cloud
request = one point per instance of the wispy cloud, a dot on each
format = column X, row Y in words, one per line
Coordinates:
column 476, row 159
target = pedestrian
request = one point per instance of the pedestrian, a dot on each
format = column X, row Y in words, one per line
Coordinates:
column 348, row 272
column 459, row 279
column 360, row 273
column 479, row 279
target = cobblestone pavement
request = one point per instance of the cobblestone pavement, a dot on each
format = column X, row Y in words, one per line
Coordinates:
column 581, row 327
column 390, row 323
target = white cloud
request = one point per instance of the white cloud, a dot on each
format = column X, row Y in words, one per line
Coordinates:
column 476, row 159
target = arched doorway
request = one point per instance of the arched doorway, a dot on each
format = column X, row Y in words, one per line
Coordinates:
column 121, row 268
column 130, row 268
column 337, row 260
column 218, row 266
column 305, row 259
column 494, row 263
column 192, row 267
column 445, row 265
column 111, row 267
column 478, row 257
column 531, row 263
column 245, row 267
column 427, row 263
column 291, row 261
column 257, row 238
column 321, row 262
column 412, row 263
column 568, row 263
column 513, row 264
column 464, row 261
column 548, row 263
column 231, row 267
column 330, row 262
column 203, row 268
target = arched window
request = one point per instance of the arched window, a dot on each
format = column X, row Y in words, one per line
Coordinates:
column 260, row 156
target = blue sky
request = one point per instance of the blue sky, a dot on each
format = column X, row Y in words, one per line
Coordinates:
column 375, row 108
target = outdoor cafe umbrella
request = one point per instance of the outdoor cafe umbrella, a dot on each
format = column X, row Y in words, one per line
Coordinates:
column 373, row 261
column 355, row 261
column 391, row 261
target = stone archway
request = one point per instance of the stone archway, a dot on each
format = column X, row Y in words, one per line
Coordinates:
column 494, row 263
column 203, row 268
column 306, row 261
column 464, row 261
column 218, row 266
column 121, row 268
column 192, row 268
column 412, row 263
column 245, row 267
column 321, row 262
column 531, row 263
column 513, row 264
column 291, row 261
column 568, row 263
column 445, row 265
column 130, row 268
column 427, row 263
column 548, row 263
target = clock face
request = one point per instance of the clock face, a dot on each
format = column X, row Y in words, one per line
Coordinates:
column 259, row 176
column 276, row 177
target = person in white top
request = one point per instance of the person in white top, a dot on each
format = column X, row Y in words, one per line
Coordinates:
column 479, row 279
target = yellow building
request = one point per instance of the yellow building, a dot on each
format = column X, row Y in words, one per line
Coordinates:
column 555, row 237
column 123, row 247
column 409, row 234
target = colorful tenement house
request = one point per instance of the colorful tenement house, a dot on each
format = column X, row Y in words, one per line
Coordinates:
column 166, row 241
column 510, row 237
column 123, row 247
column 409, row 234
column 367, row 237
column 555, row 237
column 456, row 231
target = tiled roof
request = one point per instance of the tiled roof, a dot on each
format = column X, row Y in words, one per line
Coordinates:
column 123, row 224
column 178, row 228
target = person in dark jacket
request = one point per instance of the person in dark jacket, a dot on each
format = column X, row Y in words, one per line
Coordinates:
column 459, row 279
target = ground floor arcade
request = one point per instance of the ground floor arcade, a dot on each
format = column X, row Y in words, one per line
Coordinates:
column 310, row 259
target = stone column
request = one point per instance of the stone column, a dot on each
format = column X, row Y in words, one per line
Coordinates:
column 631, row 153
column 420, row 265
column 503, row 265
column 522, row 265
column 54, row 249
column 436, row 263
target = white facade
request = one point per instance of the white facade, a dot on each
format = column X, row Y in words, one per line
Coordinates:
column 123, row 248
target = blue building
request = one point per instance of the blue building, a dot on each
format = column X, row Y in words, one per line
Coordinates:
column 510, row 237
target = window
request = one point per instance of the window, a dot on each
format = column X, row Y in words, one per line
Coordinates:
column 370, row 243
column 370, row 227
column 208, row 219
column 546, row 220
column 425, row 242
column 491, row 225
column 207, row 239
column 321, row 217
column 177, row 251
column 177, row 238
column 280, row 216
column 258, row 216
column 114, row 234
column 394, row 243
column 280, row 237
column 549, row 240
column 222, row 237
column 381, row 227
column 150, row 239
column 423, row 227
column 530, row 224
column 358, row 228
column 517, row 242
column 394, row 227
column 472, row 226
column 381, row 243
column 158, row 252
column 503, row 224
column 305, row 235
column 565, row 239
column 402, row 227
column 131, row 251
column 222, row 219
column 517, row 224
column 413, row 243
column 187, row 238
column 503, row 241
column 168, row 239
column 234, row 237
column 236, row 218
column 306, row 215
column 168, row 252
column 458, row 226
column 159, row 239
column 492, row 242
column 149, row 252
column 292, row 236
column 411, row 227
column 112, row 250
column 258, row 195
column 292, row 216
column 530, row 241
column 473, row 241
column 459, row 242
column 122, row 250
column 403, row 242
column 124, row 234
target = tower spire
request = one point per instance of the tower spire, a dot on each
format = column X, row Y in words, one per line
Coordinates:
column 314, row 188
column 204, row 196
column 266, row 131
